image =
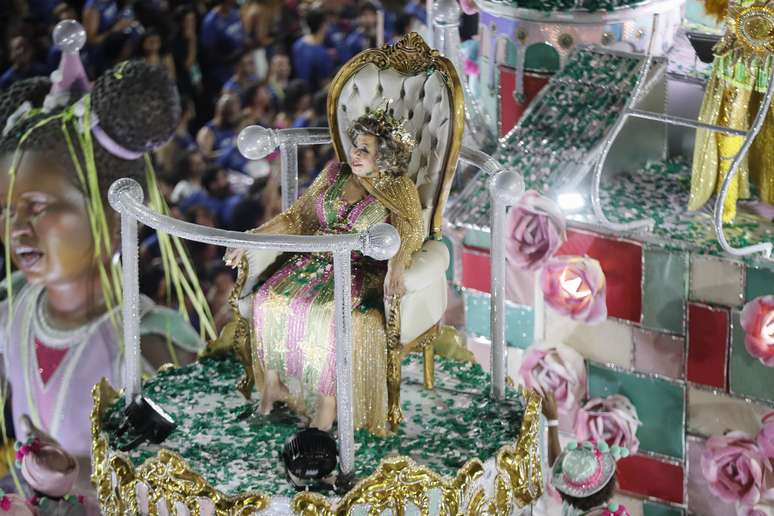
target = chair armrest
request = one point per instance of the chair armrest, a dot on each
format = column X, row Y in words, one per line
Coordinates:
column 257, row 262
column 427, row 265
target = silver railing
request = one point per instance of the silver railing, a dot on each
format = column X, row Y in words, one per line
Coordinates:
column 380, row 242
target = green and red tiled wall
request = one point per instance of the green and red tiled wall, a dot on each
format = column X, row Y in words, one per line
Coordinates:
column 672, row 344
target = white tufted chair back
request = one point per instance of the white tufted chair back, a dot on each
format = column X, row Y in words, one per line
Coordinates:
column 425, row 91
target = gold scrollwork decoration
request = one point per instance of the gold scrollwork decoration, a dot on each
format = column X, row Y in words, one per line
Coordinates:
column 409, row 56
column 168, row 479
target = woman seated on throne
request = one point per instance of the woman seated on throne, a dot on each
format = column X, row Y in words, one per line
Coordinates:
column 293, row 311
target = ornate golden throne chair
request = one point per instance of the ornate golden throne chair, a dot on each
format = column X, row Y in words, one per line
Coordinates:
column 423, row 88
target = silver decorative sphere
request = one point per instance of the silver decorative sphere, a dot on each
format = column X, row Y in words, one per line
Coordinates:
column 69, row 36
column 506, row 185
column 383, row 241
column 256, row 142
column 120, row 188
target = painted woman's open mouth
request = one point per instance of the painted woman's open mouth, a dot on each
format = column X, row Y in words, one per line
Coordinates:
column 27, row 257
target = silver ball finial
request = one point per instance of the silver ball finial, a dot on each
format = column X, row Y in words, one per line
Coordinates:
column 256, row 142
column 383, row 241
column 122, row 187
column 506, row 185
column 69, row 36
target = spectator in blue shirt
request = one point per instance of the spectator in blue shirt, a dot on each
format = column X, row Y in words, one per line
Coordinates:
column 103, row 17
column 340, row 25
column 365, row 35
column 223, row 42
column 279, row 76
column 217, row 196
column 111, row 29
column 298, row 103
column 219, row 134
column 22, row 64
column 311, row 61
column 243, row 77
column 417, row 10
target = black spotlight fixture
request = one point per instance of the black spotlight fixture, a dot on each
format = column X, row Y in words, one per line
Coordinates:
column 144, row 421
column 310, row 457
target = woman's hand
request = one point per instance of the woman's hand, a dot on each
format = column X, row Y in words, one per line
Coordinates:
column 233, row 257
column 394, row 284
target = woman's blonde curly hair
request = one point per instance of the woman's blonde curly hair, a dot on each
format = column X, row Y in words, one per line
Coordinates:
column 394, row 144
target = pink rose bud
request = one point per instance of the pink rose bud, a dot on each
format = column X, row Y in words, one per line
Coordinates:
column 574, row 286
column 612, row 420
column 758, row 323
column 535, row 229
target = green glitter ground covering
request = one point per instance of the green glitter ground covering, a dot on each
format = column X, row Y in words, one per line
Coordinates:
column 660, row 191
column 443, row 428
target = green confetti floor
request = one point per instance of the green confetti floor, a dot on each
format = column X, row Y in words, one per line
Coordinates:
column 443, row 428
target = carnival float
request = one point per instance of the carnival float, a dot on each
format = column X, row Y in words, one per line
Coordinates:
column 611, row 246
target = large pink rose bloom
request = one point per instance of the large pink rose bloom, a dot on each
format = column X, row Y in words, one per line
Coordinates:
column 574, row 286
column 535, row 229
column 734, row 468
column 612, row 419
column 557, row 369
column 758, row 324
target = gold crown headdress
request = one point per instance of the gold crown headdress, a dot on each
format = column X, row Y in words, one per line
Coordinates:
column 390, row 126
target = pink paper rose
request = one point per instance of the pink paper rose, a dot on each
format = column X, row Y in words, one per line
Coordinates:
column 468, row 7
column 535, row 229
column 557, row 369
column 734, row 468
column 574, row 286
column 758, row 324
column 612, row 419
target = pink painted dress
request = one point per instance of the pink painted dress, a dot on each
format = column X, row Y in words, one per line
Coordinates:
column 52, row 372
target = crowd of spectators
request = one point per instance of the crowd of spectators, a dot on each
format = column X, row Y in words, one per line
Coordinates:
column 265, row 62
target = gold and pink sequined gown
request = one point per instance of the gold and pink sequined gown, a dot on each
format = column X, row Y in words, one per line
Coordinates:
column 293, row 309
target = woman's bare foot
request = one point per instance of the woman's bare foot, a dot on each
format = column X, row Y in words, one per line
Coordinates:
column 325, row 415
column 273, row 391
